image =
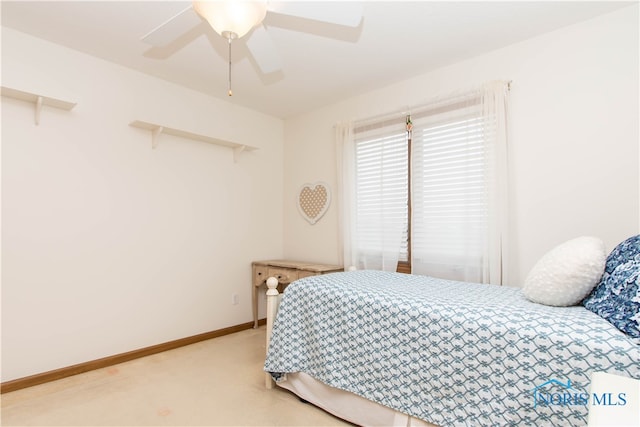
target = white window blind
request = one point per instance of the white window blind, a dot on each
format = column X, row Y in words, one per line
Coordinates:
column 381, row 193
column 435, row 195
column 449, row 203
column 448, row 190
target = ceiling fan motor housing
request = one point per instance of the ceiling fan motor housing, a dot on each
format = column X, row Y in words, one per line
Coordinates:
column 232, row 19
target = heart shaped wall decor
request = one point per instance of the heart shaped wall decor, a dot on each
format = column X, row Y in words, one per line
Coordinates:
column 313, row 201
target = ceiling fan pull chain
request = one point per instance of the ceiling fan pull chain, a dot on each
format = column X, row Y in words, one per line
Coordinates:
column 230, row 93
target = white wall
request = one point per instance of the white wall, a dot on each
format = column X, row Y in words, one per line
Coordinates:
column 108, row 245
column 574, row 146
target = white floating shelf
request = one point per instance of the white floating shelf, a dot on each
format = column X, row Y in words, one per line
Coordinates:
column 38, row 100
column 156, row 130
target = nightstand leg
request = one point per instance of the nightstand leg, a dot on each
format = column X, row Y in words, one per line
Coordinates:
column 254, row 301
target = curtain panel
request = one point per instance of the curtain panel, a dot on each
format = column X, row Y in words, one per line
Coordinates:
column 495, row 110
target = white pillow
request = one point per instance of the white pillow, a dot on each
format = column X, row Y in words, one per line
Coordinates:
column 566, row 274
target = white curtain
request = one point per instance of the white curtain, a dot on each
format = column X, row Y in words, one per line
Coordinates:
column 373, row 217
column 345, row 153
column 495, row 110
column 459, row 187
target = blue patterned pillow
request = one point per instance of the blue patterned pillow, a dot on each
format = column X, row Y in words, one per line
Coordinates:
column 617, row 297
column 624, row 252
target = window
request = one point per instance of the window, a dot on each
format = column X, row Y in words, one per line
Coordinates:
column 382, row 191
column 449, row 203
column 422, row 195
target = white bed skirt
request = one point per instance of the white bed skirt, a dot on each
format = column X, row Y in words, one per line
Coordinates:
column 345, row 405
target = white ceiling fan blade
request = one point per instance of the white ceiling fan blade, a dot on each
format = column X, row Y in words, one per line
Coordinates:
column 347, row 13
column 263, row 50
column 172, row 28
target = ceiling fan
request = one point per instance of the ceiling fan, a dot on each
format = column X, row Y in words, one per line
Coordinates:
column 233, row 19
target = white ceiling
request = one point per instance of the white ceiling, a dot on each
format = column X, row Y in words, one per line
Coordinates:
column 321, row 63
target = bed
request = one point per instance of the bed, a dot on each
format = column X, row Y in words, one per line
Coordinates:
column 382, row 348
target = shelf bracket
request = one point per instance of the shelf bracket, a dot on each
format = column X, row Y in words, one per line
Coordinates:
column 155, row 135
column 237, row 151
column 38, row 109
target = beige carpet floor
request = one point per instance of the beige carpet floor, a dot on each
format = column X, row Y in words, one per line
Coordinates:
column 218, row 382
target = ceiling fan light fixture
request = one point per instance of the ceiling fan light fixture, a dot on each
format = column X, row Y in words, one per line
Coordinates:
column 232, row 18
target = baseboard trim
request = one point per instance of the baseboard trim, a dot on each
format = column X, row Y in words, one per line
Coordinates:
column 58, row 374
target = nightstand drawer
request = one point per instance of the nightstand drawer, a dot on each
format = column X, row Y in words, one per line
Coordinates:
column 260, row 274
column 304, row 273
column 283, row 275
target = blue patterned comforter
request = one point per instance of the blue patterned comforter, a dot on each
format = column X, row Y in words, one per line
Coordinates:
column 450, row 353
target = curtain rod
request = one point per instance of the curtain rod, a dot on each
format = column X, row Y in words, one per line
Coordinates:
column 407, row 110
column 426, row 110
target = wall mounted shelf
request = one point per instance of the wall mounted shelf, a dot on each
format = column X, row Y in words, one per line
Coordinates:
column 156, row 130
column 38, row 100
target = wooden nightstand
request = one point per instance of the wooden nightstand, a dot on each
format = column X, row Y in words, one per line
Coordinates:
column 286, row 272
